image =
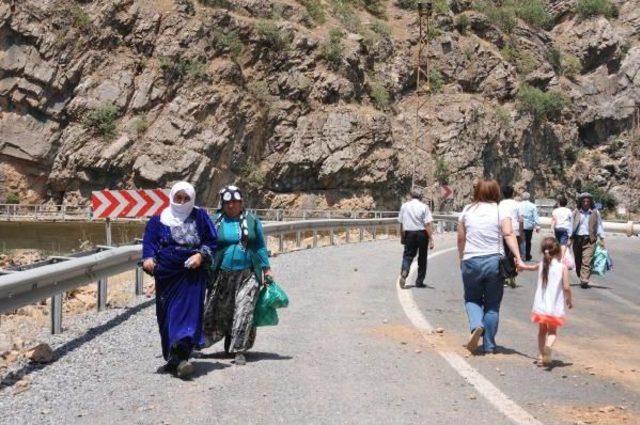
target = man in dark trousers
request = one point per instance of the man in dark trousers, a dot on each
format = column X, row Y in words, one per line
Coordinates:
column 587, row 231
column 416, row 235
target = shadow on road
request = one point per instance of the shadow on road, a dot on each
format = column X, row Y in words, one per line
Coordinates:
column 203, row 368
column 557, row 363
column 510, row 351
column 256, row 356
column 592, row 286
column 252, row 356
column 12, row 377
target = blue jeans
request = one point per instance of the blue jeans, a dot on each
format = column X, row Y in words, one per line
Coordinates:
column 483, row 288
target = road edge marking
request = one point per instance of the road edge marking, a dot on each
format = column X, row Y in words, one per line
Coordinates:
column 482, row 385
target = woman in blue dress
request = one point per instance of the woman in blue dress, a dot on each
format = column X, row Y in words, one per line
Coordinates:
column 178, row 247
column 240, row 266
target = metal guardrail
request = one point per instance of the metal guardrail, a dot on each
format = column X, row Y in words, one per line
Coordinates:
column 77, row 213
column 20, row 288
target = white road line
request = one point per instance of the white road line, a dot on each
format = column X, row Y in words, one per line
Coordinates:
column 490, row 392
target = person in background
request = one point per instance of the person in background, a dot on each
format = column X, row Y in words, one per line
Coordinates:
column 239, row 268
column 177, row 248
column 509, row 207
column 530, row 222
column 482, row 227
column 587, row 230
column 561, row 222
column 416, row 232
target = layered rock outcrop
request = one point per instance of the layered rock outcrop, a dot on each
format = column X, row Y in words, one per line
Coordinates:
column 309, row 111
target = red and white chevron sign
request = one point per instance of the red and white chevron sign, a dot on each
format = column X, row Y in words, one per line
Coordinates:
column 129, row 203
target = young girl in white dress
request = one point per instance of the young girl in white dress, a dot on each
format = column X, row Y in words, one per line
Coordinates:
column 552, row 294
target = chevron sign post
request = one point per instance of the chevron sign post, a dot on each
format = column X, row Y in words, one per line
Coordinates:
column 129, row 203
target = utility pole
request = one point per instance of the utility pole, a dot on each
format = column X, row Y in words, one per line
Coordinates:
column 422, row 80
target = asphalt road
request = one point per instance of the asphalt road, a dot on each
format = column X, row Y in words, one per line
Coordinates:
column 346, row 352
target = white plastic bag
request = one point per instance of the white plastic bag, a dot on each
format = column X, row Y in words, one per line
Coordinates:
column 569, row 260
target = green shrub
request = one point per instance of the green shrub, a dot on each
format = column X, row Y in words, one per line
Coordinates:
column 505, row 13
column 228, row 41
column 436, row 81
column 434, row 32
column 379, row 95
column 252, row 176
column 534, row 13
column 589, row 8
column 260, row 91
column 80, row 18
column 462, row 23
column 441, row 7
column 272, row 35
column 343, row 10
column 503, row 116
column 381, row 28
column 226, row 4
column 542, row 105
column 140, row 124
column 332, row 49
column 197, row 69
column 442, row 172
column 503, row 16
column 524, row 62
column 407, row 4
column 315, row 9
column 554, row 57
column 102, row 120
column 376, row 7
column 601, row 196
column 571, row 66
column 175, row 69
column 12, row 198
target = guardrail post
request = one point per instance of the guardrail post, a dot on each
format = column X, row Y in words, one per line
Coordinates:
column 56, row 313
column 315, row 238
column 281, row 242
column 304, row 215
column 346, row 234
column 298, row 239
column 139, row 281
column 361, row 234
column 332, row 240
column 374, row 229
column 64, row 212
column 102, row 294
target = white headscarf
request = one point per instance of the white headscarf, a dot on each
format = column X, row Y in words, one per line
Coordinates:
column 176, row 214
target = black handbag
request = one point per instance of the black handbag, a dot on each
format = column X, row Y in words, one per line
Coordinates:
column 507, row 267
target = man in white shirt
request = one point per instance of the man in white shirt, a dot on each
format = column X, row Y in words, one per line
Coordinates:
column 509, row 207
column 416, row 234
column 530, row 222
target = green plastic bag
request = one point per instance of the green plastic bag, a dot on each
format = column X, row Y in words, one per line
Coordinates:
column 270, row 298
column 599, row 261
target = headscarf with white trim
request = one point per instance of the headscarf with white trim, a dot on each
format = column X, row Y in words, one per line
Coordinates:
column 233, row 193
column 175, row 214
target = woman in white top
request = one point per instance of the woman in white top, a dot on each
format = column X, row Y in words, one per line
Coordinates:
column 561, row 223
column 481, row 229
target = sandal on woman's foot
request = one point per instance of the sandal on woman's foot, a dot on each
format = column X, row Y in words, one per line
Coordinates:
column 185, row 369
column 240, row 360
column 472, row 345
column 546, row 356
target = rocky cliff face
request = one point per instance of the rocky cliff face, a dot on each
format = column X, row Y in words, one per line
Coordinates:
column 313, row 103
